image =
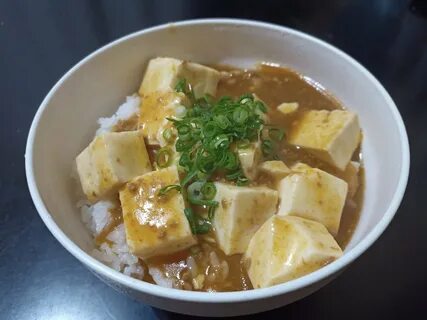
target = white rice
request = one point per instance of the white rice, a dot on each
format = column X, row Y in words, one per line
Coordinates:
column 96, row 217
column 114, row 253
column 160, row 278
column 125, row 111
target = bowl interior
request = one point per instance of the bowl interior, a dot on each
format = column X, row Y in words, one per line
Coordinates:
column 95, row 88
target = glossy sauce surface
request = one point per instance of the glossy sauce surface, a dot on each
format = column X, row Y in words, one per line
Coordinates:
column 273, row 85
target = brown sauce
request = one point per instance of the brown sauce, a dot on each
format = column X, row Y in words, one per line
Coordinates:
column 129, row 124
column 116, row 219
column 274, row 86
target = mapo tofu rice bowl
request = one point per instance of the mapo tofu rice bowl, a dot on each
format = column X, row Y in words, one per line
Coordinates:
column 214, row 178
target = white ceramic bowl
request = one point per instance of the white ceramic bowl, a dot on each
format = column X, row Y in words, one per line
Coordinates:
column 66, row 122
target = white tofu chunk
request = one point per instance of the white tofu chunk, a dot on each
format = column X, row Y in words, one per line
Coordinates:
column 155, row 225
column 109, row 161
column 275, row 168
column 162, row 75
column 351, row 176
column 154, row 111
column 313, row 194
column 332, row 136
column 300, row 167
column 288, row 107
column 286, row 248
column 241, row 211
column 249, row 159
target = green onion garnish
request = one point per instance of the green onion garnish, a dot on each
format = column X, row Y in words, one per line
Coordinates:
column 191, row 219
column 240, row 115
column 168, row 188
column 267, row 148
column 211, row 212
column 207, row 139
column 244, row 144
column 276, row 134
column 208, row 190
column 164, row 157
column 242, row 181
column 197, row 196
column 198, row 225
column 181, row 86
column 168, row 135
column 195, row 191
column 234, row 176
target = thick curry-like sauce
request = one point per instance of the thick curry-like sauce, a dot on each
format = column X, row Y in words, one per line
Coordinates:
column 273, row 86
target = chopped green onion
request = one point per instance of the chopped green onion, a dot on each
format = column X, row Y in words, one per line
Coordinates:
column 184, row 129
column 207, row 139
column 168, row 135
column 260, row 106
column 196, row 195
column 244, row 144
column 181, row 86
column 222, row 121
column 201, row 193
column 206, row 164
column 198, row 225
column 231, row 161
column 164, row 157
column 246, row 98
column 203, row 226
column 267, row 148
column 208, row 190
column 202, row 176
column 168, row 188
column 188, row 177
column 234, row 175
column 240, row 115
column 210, row 129
column 195, row 191
column 203, row 202
column 211, row 212
column 276, row 134
column 242, row 181
column 182, row 145
column 185, row 161
column 191, row 219
column 221, row 142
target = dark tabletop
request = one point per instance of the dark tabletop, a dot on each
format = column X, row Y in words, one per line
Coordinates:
column 41, row 40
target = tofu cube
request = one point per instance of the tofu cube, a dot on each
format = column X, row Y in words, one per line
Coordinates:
column 351, row 176
column 275, row 168
column 300, row 167
column 286, row 248
column 288, row 107
column 155, row 225
column 313, row 194
column 109, row 161
column 241, row 211
column 162, row 75
column 155, row 109
column 249, row 159
column 332, row 136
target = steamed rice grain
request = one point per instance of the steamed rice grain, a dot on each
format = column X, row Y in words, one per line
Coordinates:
column 125, row 111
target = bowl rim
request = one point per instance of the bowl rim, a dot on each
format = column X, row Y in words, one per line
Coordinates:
column 220, row 297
